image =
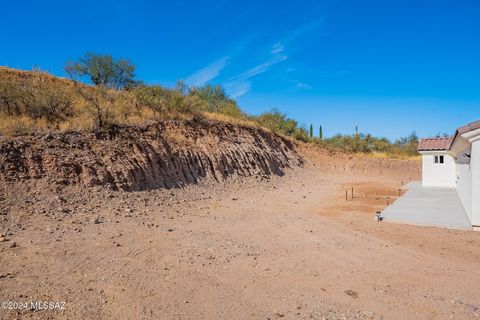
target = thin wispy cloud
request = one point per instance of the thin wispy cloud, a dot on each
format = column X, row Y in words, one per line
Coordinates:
column 237, row 89
column 308, row 30
column 277, row 48
column 208, row 73
column 303, row 85
column 260, row 68
column 241, row 84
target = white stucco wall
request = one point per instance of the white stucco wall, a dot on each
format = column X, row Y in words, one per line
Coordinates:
column 464, row 181
column 438, row 174
column 475, row 167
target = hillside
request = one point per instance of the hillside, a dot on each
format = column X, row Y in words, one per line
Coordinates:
column 136, row 204
column 34, row 101
column 162, row 155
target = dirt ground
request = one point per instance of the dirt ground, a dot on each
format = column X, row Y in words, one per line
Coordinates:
column 290, row 247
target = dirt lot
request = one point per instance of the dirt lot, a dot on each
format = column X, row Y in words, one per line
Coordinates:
column 290, row 247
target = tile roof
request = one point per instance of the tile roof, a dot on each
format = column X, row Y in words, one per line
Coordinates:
column 469, row 127
column 435, row 144
column 444, row 144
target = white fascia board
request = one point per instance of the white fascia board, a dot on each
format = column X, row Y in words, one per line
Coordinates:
column 472, row 136
column 433, row 152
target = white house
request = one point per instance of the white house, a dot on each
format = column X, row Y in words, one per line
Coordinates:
column 454, row 162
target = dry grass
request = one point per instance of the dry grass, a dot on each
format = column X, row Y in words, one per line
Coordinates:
column 121, row 107
column 385, row 155
column 89, row 104
column 20, row 125
column 36, row 73
column 225, row 118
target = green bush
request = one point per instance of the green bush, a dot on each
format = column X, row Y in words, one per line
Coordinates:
column 215, row 100
column 11, row 103
column 36, row 99
column 361, row 143
column 100, row 104
column 29, row 99
column 279, row 123
column 164, row 101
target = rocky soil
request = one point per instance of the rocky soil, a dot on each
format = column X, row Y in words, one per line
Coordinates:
column 245, row 245
column 167, row 154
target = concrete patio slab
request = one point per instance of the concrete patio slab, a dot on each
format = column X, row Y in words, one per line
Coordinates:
column 437, row 207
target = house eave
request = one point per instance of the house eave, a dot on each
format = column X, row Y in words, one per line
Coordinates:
column 463, row 141
column 472, row 136
column 434, row 152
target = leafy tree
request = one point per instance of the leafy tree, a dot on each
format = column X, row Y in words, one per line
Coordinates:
column 99, row 103
column 103, row 70
column 409, row 144
column 442, row 135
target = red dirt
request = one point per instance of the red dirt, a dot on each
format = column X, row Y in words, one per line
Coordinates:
column 253, row 248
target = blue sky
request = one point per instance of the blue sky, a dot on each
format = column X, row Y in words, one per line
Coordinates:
column 389, row 67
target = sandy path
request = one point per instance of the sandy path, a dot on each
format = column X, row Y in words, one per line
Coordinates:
column 288, row 249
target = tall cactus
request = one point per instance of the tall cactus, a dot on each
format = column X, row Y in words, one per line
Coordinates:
column 311, row 131
column 320, row 133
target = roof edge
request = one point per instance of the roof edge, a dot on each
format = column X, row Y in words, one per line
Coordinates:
column 447, row 147
column 435, row 144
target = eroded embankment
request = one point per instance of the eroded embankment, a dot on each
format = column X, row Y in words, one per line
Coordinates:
column 163, row 155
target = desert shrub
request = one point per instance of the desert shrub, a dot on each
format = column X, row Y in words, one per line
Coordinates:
column 215, row 100
column 125, row 108
column 103, row 70
column 152, row 97
column 99, row 102
column 408, row 144
column 35, row 98
column 379, row 144
column 165, row 101
column 366, row 143
column 32, row 101
column 10, row 98
column 212, row 96
column 177, row 102
column 357, row 143
column 46, row 101
column 301, row 134
column 279, row 123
